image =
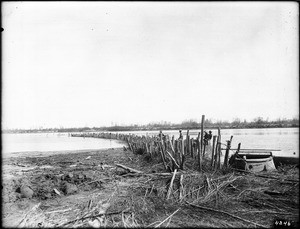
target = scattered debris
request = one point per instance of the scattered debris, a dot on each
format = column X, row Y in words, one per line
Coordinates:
column 26, row 191
column 69, row 196
column 57, row 192
column 68, row 188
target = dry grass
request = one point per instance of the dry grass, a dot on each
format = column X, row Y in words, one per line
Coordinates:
column 223, row 198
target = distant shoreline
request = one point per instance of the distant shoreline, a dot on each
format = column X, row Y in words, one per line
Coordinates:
column 121, row 129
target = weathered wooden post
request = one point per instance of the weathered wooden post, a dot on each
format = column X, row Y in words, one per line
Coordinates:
column 150, row 149
column 182, row 154
column 146, row 147
column 201, row 140
column 219, row 148
column 227, row 152
column 176, row 149
column 199, row 152
column 172, row 155
column 192, row 147
column 173, row 141
column 238, row 148
column 187, row 142
column 162, row 154
column 181, row 187
column 213, row 150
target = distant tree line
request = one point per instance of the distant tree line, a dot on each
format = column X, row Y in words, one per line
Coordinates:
column 237, row 123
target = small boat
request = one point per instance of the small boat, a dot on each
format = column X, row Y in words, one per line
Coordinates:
column 252, row 161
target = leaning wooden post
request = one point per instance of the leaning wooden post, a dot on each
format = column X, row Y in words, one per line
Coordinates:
column 149, row 148
column 162, row 155
column 219, row 148
column 146, row 146
column 201, row 140
column 227, row 152
column 182, row 154
column 172, row 155
column 173, row 141
column 238, row 148
column 213, row 150
column 199, row 152
column 171, row 184
column 192, row 147
column 181, row 187
column 176, row 151
column 216, row 153
column 187, row 143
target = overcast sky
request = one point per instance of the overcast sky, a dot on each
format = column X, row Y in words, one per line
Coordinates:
column 75, row 64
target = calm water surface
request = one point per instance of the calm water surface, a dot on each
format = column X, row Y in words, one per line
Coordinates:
column 43, row 142
column 284, row 139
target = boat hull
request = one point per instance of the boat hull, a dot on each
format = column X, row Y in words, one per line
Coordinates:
column 253, row 162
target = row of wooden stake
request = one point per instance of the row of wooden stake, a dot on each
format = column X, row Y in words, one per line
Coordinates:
column 172, row 152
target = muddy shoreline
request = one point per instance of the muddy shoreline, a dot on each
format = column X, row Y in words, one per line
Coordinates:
column 70, row 189
column 51, row 176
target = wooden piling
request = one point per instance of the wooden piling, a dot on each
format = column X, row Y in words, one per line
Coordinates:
column 171, row 151
column 171, row 184
column 204, row 148
column 238, row 148
column 227, row 152
column 219, row 149
column 187, row 143
column 182, row 154
column 150, row 149
column 192, row 148
column 174, row 160
column 199, row 152
column 213, row 150
column 181, row 194
column 176, row 149
column 173, row 141
column 162, row 154
column 202, row 129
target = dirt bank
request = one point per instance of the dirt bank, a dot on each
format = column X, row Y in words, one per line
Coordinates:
column 90, row 188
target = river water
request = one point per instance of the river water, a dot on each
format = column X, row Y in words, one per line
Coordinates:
column 282, row 141
column 285, row 140
column 45, row 142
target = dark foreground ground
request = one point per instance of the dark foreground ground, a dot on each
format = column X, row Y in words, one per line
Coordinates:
column 89, row 189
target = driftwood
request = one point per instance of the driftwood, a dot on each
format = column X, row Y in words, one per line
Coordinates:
column 173, row 159
column 171, row 184
column 181, row 187
column 62, row 210
column 161, row 175
column 128, row 169
column 167, row 218
column 94, row 216
column 226, row 213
